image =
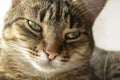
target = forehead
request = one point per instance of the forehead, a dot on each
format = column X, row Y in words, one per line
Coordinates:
column 46, row 8
column 52, row 11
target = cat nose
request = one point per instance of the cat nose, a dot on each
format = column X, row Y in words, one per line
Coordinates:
column 51, row 55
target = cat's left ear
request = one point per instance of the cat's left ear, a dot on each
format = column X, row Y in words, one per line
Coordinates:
column 15, row 2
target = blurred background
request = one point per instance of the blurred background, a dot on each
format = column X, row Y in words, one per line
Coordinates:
column 4, row 6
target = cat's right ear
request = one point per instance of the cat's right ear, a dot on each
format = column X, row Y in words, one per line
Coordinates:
column 15, row 2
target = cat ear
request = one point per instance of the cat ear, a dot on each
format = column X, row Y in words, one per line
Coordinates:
column 15, row 2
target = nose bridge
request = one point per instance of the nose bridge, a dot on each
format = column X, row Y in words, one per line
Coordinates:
column 52, row 47
column 52, row 41
column 53, row 44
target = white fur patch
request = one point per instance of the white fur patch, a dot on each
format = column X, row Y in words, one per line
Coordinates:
column 34, row 64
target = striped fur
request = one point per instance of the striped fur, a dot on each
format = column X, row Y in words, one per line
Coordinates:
column 23, row 52
column 106, row 64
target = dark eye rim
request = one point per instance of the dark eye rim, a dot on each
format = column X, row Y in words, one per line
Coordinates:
column 73, row 37
column 33, row 28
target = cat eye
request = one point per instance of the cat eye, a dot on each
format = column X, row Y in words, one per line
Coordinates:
column 34, row 26
column 72, row 35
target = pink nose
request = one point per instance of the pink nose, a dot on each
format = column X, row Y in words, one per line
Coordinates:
column 51, row 55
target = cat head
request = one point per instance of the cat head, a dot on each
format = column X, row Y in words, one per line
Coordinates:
column 56, row 34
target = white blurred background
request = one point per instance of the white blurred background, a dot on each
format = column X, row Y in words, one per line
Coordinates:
column 4, row 6
column 107, row 27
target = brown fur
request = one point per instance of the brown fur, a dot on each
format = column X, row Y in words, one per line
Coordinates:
column 67, row 59
column 106, row 64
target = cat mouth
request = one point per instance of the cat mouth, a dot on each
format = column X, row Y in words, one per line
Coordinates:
column 42, row 56
column 41, row 62
column 42, row 59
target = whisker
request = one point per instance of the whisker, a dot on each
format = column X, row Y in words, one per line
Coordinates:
column 89, row 10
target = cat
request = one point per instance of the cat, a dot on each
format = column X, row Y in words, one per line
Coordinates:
column 47, row 40
column 106, row 64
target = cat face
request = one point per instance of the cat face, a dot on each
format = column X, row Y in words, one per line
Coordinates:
column 55, row 34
